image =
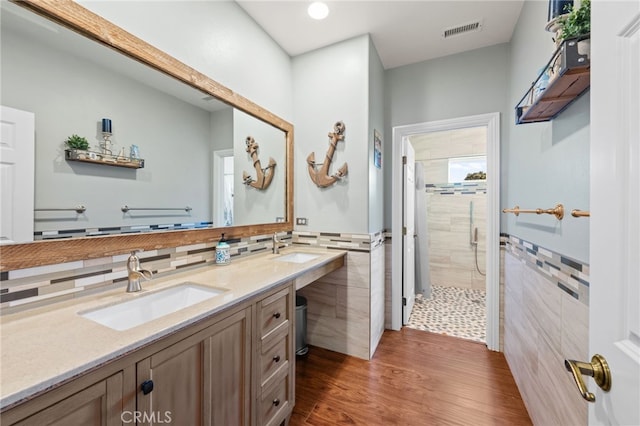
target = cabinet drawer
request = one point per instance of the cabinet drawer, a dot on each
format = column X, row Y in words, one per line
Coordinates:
column 273, row 358
column 273, row 312
column 275, row 404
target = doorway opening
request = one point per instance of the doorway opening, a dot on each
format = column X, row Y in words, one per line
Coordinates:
column 488, row 228
column 450, row 225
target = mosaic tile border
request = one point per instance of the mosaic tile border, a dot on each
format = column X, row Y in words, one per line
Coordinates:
column 339, row 241
column 570, row 275
column 25, row 288
column 113, row 230
column 460, row 188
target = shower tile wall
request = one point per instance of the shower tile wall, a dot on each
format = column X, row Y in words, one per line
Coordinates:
column 451, row 256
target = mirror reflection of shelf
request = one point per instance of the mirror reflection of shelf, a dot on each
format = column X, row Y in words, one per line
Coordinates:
column 565, row 77
column 103, row 159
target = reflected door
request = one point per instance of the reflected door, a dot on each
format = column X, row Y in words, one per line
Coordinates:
column 17, row 139
column 223, row 188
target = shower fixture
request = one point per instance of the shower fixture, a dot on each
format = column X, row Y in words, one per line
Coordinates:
column 474, row 237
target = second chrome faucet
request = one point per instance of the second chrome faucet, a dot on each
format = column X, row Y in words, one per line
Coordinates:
column 135, row 273
column 277, row 244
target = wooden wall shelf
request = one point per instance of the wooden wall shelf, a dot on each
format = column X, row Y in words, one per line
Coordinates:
column 568, row 72
column 102, row 159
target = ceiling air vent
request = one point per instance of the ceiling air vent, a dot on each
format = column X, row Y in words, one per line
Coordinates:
column 462, row 29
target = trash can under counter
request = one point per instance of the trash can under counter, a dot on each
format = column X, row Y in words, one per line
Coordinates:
column 301, row 326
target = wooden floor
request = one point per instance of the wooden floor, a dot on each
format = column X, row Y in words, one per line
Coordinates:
column 414, row 378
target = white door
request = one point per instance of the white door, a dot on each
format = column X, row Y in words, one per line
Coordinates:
column 17, row 139
column 614, row 330
column 222, row 187
column 408, row 229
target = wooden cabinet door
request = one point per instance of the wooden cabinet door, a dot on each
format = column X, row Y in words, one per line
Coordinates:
column 229, row 366
column 99, row 404
column 204, row 379
column 175, row 382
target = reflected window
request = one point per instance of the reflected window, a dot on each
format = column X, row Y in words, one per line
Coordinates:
column 467, row 169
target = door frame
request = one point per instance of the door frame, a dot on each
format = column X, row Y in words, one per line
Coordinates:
column 408, row 229
column 492, row 122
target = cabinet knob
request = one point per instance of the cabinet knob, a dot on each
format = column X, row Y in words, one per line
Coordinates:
column 276, row 358
column 146, row 387
column 276, row 402
column 276, row 315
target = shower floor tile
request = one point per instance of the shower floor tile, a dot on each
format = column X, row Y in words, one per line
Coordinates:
column 457, row 312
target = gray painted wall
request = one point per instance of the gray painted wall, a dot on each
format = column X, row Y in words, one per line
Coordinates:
column 376, row 123
column 330, row 85
column 216, row 38
column 251, row 205
column 469, row 83
column 545, row 163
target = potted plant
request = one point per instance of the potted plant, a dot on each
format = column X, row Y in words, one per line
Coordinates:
column 577, row 23
column 77, row 143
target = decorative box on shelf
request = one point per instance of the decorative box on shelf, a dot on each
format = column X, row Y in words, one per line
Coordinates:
column 565, row 77
column 104, row 159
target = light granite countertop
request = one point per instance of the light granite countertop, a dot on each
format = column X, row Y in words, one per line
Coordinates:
column 44, row 347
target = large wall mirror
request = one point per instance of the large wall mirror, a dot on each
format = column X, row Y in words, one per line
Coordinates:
column 191, row 132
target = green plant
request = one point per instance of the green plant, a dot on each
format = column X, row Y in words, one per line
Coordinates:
column 577, row 22
column 77, row 142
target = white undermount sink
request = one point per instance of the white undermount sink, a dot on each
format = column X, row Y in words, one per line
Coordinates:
column 297, row 257
column 145, row 308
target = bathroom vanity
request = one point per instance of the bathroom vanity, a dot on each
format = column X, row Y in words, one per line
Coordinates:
column 226, row 360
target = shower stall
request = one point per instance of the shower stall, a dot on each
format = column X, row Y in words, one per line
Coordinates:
column 453, row 169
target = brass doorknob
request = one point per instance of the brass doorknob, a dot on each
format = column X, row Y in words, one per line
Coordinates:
column 597, row 368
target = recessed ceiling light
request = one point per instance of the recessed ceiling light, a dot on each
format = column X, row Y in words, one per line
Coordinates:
column 318, row 10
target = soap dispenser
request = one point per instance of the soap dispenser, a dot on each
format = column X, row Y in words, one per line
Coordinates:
column 223, row 256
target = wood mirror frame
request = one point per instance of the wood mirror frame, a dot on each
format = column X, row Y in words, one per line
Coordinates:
column 92, row 26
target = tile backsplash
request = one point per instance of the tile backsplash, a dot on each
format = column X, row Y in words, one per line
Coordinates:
column 25, row 288
column 569, row 275
column 116, row 230
column 340, row 241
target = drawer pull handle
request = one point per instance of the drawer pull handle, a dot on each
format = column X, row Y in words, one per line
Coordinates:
column 276, row 358
column 146, row 387
column 276, row 315
column 276, row 402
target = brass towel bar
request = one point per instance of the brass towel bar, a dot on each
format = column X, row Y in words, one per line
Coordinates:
column 557, row 211
column 580, row 213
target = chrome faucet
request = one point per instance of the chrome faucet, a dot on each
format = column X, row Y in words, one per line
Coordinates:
column 134, row 273
column 277, row 244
